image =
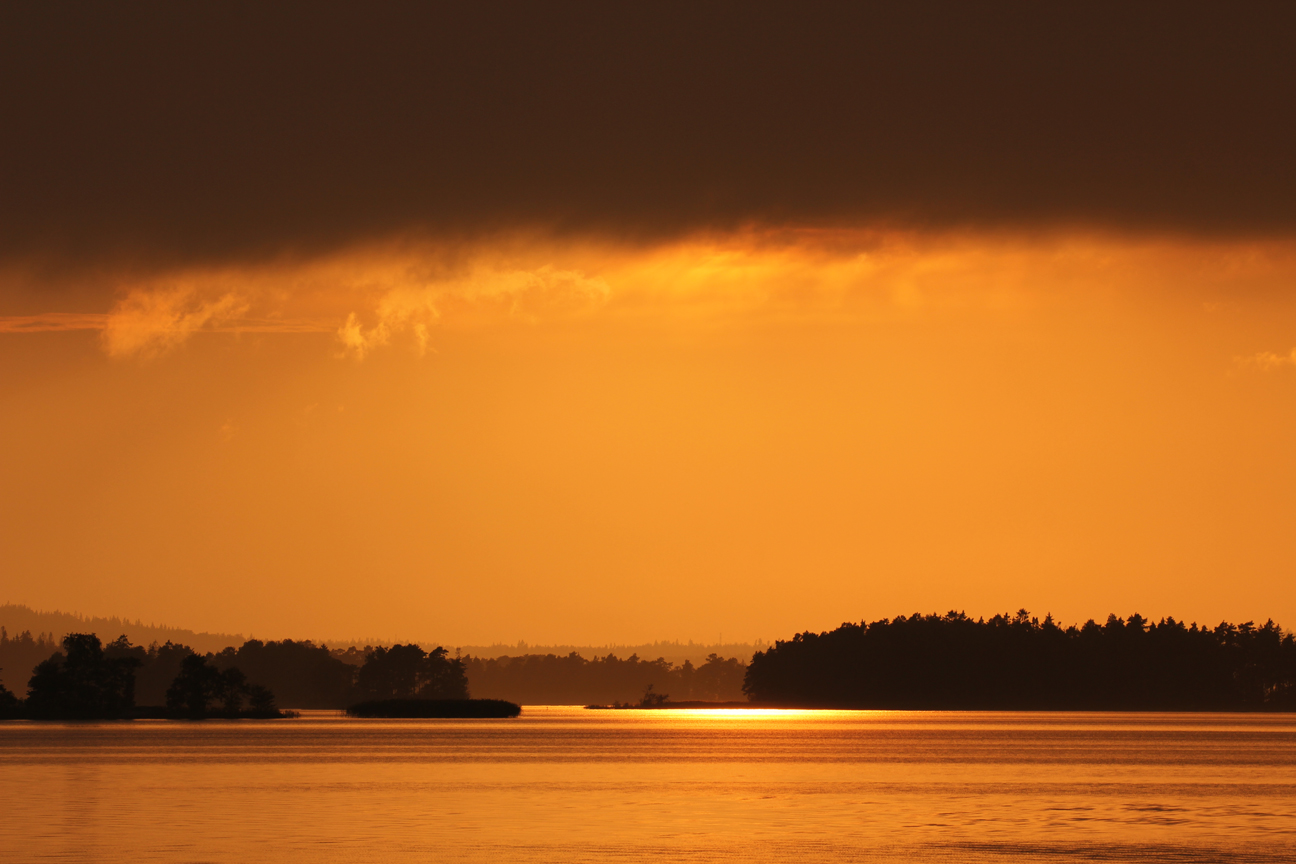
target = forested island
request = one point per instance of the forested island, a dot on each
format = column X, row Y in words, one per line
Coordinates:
column 952, row 661
column 1017, row 662
column 88, row 680
column 303, row 674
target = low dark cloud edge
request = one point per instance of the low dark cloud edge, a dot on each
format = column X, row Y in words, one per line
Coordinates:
column 159, row 134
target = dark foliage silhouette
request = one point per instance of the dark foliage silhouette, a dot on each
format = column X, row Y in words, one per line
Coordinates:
column 653, row 700
column 156, row 667
column 198, row 688
column 539, row 679
column 716, row 680
column 408, row 672
column 301, row 674
column 83, row 683
column 19, row 618
column 20, row 654
column 1018, row 662
column 10, row 705
column 261, row 702
column 202, row 690
column 306, row 675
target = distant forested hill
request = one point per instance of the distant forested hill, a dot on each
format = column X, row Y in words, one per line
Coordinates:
column 19, row 654
column 319, row 675
column 548, row 679
column 303, row 674
column 16, row 620
column 675, row 652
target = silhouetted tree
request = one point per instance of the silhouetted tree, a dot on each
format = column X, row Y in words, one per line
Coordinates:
column 235, row 687
column 159, row 667
column 10, row 705
column 408, row 672
column 196, row 689
column 652, row 699
column 20, row 654
column 83, row 683
column 717, row 679
column 202, row 690
column 1018, row 662
column 301, row 674
column 309, row 675
column 351, row 655
column 261, row 701
column 573, row 680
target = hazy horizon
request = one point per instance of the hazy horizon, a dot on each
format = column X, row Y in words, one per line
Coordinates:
column 19, row 617
column 930, row 308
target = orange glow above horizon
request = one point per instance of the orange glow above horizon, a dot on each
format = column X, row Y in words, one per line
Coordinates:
column 754, row 433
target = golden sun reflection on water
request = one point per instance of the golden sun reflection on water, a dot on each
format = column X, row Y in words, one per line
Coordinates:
column 567, row 784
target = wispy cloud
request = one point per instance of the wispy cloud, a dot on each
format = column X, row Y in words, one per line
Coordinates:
column 1267, row 361
column 398, row 294
column 393, row 294
column 53, row 322
column 528, row 294
column 148, row 323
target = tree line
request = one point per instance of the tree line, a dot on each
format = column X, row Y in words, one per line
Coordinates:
column 539, row 679
column 302, row 674
column 18, row 618
column 19, row 655
column 1017, row 662
column 90, row 680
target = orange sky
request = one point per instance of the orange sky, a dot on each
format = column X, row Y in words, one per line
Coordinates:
column 743, row 432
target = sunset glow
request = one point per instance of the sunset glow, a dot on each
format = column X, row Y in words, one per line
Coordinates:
column 747, row 433
column 568, row 432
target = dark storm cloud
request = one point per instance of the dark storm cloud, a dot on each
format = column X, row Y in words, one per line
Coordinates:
column 199, row 131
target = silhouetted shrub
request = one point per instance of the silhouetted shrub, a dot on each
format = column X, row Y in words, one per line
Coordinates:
column 653, row 700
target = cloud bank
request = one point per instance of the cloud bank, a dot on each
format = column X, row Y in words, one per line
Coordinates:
column 398, row 296
column 166, row 135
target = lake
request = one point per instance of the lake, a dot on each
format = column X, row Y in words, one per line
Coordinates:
column 566, row 784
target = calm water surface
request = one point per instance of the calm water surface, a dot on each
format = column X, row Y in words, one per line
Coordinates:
column 564, row 784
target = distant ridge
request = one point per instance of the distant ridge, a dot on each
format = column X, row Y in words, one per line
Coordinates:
column 16, row 618
column 674, row 652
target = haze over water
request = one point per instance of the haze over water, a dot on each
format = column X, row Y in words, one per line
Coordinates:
column 566, row 784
